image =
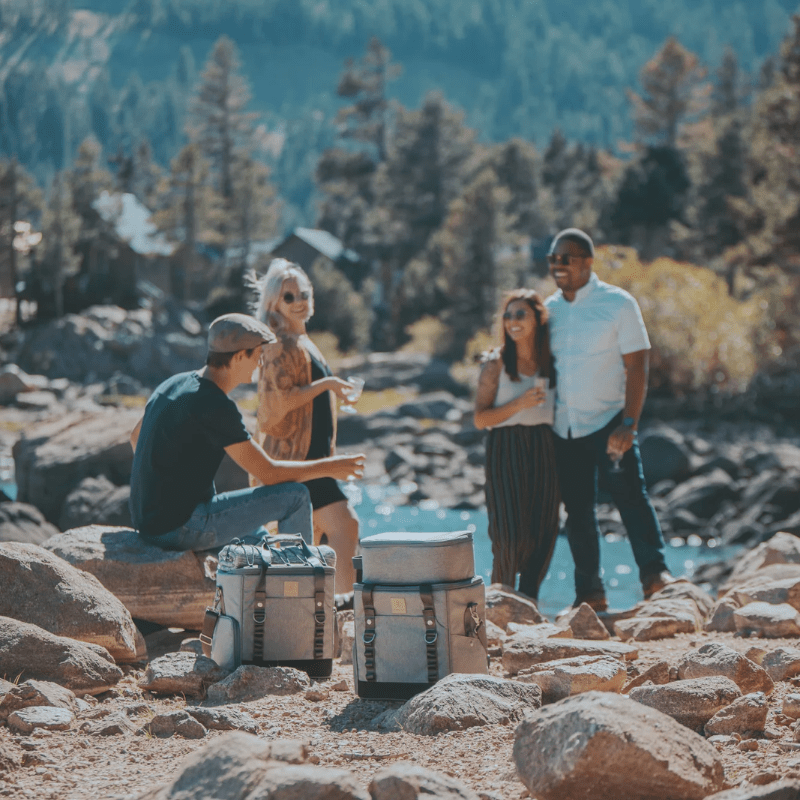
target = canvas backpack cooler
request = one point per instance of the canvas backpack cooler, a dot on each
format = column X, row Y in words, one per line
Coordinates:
column 274, row 606
column 419, row 612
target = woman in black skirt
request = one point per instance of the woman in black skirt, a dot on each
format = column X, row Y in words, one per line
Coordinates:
column 515, row 401
column 297, row 404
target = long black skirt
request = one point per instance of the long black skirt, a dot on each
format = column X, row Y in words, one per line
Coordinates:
column 522, row 500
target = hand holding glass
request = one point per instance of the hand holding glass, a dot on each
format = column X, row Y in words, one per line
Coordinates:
column 353, row 395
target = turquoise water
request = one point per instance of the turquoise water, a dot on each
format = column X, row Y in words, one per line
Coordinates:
column 620, row 574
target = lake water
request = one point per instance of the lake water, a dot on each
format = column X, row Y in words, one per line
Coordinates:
column 619, row 569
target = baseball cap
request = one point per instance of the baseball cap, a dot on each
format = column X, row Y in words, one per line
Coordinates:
column 233, row 332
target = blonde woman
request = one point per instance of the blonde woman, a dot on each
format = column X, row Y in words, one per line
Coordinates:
column 297, row 404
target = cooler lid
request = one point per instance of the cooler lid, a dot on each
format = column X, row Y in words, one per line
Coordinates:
column 413, row 539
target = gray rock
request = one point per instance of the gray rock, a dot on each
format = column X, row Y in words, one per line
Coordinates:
column 791, row 706
column 26, row 720
column 720, row 618
column 33, row 653
column 115, row 724
column 504, row 605
column 783, row 548
column 237, row 766
column 768, row 621
column 435, row 405
column 703, row 494
column 250, row 682
column 665, row 456
column 44, row 590
column 174, row 723
column 21, row 522
column 51, row 459
column 646, row 629
column 607, row 747
column 544, row 630
column 743, row 715
column 715, row 658
column 161, row 586
column 36, row 693
column 520, row 653
column 192, row 645
column 96, row 501
column 585, row 624
column 410, row 781
column 782, row 663
column 348, row 635
column 657, row 674
column 458, row 702
column 223, row 719
column 686, row 590
column 773, row 592
column 13, row 380
column 560, row 679
column 786, row 789
column 181, row 674
column 690, row 702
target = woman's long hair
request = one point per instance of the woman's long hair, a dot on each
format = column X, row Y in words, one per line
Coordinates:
column 268, row 288
column 508, row 351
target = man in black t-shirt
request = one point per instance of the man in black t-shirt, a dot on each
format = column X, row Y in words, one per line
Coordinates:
column 189, row 423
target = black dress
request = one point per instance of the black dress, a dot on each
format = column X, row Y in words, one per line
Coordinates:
column 323, row 491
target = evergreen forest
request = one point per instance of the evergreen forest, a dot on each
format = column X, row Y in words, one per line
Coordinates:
column 443, row 142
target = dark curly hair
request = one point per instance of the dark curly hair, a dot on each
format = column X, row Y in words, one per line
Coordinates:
column 508, row 351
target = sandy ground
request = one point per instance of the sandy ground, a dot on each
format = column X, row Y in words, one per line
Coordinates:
column 71, row 764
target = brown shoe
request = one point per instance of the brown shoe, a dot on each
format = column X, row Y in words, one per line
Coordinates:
column 655, row 583
column 597, row 602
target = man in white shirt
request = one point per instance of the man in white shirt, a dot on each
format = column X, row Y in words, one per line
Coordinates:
column 601, row 352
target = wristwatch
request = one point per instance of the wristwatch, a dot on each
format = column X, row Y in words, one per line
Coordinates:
column 629, row 422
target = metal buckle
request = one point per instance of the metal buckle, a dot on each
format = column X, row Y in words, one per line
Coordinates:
column 319, row 617
column 368, row 637
column 431, row 637
column 205, row 639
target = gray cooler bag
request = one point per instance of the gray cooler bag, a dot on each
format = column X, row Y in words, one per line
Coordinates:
column 419, row 613
column 274, row 606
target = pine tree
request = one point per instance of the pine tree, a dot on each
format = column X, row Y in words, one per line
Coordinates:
column 61, row 227
column 218, row 120
column 675, row 94
column 189, row 214
column 20, row 198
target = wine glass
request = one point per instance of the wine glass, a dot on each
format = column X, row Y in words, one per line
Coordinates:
column 353, row 395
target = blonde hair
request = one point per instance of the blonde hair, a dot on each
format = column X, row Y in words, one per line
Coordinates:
column 268, row 289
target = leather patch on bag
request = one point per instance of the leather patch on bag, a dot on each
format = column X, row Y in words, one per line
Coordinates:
column 291, row 589
column 398, row 605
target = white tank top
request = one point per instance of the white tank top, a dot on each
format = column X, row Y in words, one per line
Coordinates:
column 508, row 390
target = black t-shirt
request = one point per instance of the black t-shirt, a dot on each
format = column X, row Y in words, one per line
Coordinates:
column 321, row 419
column 188, row 422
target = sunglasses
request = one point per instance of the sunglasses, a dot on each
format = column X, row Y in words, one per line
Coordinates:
column 520, row 313
column 290, row 297
column 564, row 260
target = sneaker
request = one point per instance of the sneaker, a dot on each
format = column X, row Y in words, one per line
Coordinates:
column 655, row 583
column 597, row 602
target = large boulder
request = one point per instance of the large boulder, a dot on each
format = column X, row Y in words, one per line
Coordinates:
column 22, row 522
column 184, row 674
column 767, row 620
column 504, row 605
column 602, row 746
column 251, row 682
column 238, row 766
column 786, row 789
column 36, row 693
column 458, row 702
column 715, row 658
column 745, row 715
column 44, row 590
column 32, row 653
column 665, row 456
column 51, row 459
column 782, row 548
column 703, row 494
column 166, row 587
column 690, row 702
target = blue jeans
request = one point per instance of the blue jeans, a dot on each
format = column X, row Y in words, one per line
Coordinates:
column 579, row 462
column 240, row 515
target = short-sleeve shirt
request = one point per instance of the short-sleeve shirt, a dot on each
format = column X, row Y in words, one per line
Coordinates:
column 588, row 338
column 188, row 422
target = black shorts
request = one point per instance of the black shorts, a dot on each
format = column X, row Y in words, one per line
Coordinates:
column 324, row 491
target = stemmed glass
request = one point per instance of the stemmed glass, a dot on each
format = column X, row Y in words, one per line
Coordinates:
column 353, row 395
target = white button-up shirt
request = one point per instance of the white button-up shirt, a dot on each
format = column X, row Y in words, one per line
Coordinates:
column 588, row 338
